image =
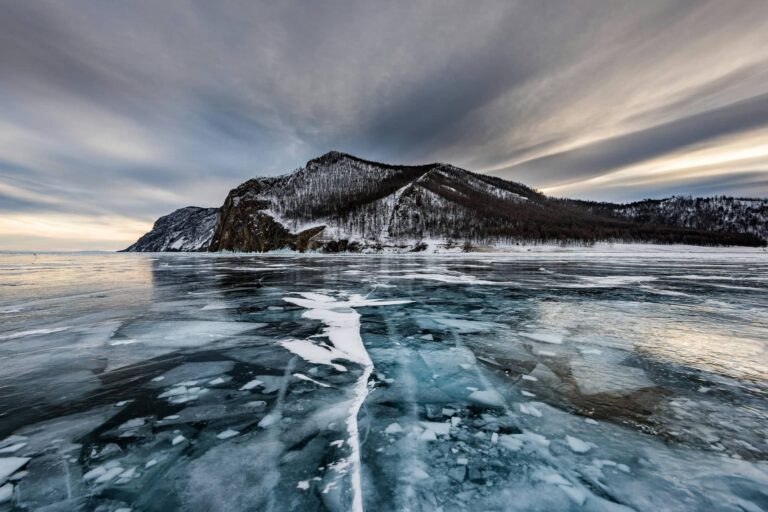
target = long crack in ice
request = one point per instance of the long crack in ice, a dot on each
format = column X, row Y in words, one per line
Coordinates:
column 343, row 331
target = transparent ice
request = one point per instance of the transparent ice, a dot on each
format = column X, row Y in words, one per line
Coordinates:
column 549, row 381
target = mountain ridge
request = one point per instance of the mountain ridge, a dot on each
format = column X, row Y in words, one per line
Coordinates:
column 339, row 201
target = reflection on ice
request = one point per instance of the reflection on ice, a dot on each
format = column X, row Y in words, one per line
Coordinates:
column 204, row 383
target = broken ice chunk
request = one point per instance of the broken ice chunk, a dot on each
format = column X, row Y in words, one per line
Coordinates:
column 9, row 465
column 178, row 439
column 510, row 442
column 269, row 419
column 487, row 397
column 13, row 448
column 393, row 428
column 593, row 377
column 530, row 410
column 6, row 492
column 550, row 476
column 94, row 473
column 109, row 474
column 14, row 439
column 577, row 445
column 544, row 337
column 303, row 485
column 21, row 474
column 133, row 423
column 428, row 435
column 458, row 473
column 252, row 384
column 128, row 473
column 227, row 434
column 440, row 429
column 180, row 390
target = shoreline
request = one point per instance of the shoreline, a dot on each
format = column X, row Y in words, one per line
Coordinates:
column 616, row 249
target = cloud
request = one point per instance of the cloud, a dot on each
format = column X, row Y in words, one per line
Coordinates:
column 128, row 110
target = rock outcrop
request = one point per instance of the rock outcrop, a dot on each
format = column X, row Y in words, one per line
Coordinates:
column 185, row 230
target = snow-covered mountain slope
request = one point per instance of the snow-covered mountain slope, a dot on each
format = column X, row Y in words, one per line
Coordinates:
column 724, row 214
column 187, row 229
column 361, row 201
column 341, row 202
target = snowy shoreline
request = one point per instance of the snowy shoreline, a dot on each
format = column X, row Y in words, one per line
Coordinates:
column 543, row 250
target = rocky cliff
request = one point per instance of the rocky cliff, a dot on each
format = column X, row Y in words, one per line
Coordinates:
column 187, row 229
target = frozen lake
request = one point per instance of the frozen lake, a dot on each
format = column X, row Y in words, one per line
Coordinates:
column 546, row 381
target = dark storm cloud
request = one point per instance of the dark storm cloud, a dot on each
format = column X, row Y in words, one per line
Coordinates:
column 125, row 110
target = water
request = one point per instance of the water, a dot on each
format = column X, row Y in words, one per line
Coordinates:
column 526, row 382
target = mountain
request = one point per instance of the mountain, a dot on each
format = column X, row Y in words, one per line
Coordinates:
column 187, row 229
column 723, row 214
column 340, row 202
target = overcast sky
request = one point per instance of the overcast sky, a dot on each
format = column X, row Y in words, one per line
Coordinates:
column 115, row 112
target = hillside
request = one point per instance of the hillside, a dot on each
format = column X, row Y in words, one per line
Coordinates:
column 723, row 214
column 340, row 202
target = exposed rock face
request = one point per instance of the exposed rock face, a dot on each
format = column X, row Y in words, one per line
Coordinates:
column 187, row 229
column 243, row 226
column 338, row 202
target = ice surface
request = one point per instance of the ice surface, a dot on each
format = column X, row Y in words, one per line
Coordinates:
column 188, row 382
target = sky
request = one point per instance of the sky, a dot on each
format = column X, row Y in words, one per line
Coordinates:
column 113, row 113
